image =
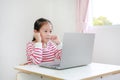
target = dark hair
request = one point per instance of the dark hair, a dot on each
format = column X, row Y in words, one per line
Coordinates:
column 39, row 23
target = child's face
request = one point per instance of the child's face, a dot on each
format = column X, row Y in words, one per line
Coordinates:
column 45, row 32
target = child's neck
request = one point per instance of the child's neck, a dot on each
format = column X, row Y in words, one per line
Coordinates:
column 44, row 45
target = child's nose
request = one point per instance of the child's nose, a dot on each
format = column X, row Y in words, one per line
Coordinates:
column 48, row 33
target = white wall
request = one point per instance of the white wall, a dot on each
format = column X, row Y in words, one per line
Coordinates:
column 16, row 27
column 107, row 45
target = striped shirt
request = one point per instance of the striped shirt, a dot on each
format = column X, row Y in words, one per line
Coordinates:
column 37, row 55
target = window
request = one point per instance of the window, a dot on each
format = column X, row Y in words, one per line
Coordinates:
column 106, row 12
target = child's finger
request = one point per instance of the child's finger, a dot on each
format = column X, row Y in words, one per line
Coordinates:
column 23, row 64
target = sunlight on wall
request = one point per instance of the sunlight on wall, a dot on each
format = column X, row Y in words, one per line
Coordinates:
column 107, row 8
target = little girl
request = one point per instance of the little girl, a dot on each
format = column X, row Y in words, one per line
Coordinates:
column 45, row 48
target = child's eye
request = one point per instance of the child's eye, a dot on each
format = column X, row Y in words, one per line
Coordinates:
column 45, row 31
column 50, row 31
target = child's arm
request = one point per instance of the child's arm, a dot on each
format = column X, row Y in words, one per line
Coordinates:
column 34, row 53
column 59, row 47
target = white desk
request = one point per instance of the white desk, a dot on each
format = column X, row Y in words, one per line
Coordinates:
column 89, row 72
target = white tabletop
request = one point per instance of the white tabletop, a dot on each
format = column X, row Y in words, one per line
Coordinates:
column 79, row 73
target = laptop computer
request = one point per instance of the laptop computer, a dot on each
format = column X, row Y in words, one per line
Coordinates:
column 77, row 50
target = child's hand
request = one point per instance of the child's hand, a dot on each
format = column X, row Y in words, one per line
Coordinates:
column 23, row 64
column 37, row 36
column 55, row 39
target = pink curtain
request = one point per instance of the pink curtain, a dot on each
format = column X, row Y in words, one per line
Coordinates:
column 81, row 15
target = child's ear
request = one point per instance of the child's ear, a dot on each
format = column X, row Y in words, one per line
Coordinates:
column 35, row 31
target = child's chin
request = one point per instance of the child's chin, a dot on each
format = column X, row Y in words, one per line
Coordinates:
column 47, row 40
